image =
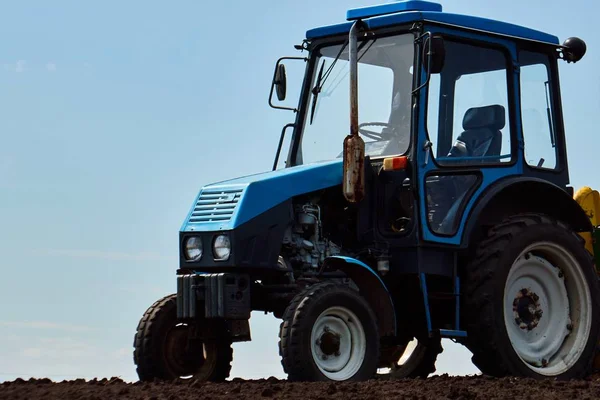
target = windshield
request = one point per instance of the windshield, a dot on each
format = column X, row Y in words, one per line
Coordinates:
column 384, row 96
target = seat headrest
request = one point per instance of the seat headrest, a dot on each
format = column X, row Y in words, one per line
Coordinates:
column 492, row 117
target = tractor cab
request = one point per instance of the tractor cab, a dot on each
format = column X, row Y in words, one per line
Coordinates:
column 458, row 102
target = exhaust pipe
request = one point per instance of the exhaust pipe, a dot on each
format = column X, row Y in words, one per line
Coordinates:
column 354, row 146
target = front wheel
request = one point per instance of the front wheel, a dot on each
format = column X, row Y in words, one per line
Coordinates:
column 329, row 333
column 166, row 349
column 532, row 301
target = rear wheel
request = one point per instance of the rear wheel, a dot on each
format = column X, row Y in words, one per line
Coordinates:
column 532, row 301
column 329, row 333
column 164, row 348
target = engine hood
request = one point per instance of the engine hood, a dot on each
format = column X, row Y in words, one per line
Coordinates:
column 228, row 204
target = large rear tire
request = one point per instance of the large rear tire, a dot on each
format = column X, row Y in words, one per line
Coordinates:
column 329, row 333
column 163, row 349
column 532, row 301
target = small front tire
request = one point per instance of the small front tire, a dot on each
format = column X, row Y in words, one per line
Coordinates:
column 163, row 349
column 329, row 333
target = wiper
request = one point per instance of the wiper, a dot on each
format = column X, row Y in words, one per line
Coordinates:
column 316, row 90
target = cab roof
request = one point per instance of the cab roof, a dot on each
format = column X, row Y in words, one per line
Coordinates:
column 408, row 11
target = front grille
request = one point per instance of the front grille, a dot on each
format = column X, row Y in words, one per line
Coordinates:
column 216, row 205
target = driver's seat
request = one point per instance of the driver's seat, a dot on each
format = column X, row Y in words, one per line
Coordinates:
column 481, row 136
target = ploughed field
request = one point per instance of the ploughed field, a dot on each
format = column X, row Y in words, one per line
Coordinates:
column 436, row 387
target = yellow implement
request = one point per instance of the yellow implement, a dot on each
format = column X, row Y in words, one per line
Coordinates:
column 589, row 201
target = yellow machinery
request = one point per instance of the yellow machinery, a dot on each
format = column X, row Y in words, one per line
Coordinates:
column 589, row 201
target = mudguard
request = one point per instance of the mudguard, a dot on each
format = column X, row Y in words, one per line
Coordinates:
column 526, row 194
column 371, row 286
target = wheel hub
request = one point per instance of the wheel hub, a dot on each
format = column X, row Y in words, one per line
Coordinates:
column 527, row 309
column 330, row 342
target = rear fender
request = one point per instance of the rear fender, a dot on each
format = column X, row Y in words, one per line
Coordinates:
column 371, row 287
column 520, row 195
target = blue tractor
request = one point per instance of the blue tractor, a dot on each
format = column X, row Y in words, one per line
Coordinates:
column 446, row 212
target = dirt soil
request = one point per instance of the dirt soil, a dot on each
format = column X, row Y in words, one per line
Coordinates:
column 437, row 387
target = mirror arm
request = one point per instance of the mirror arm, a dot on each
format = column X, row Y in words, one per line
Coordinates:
column 305, row 59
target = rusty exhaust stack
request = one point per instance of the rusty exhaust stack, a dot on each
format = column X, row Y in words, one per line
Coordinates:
column 354, row 146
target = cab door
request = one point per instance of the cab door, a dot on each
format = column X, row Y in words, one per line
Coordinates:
column 467, row 130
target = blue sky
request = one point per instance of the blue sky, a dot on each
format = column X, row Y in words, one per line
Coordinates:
column 113, row 115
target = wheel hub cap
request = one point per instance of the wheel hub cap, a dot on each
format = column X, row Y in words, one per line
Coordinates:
column 527, row 309
column 330, row 342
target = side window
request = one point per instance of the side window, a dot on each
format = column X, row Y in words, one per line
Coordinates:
column 446, row 196
column 538, row 124
column 468, row 114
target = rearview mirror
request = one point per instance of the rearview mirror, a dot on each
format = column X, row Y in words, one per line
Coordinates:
column 434, row 54
column 280, row 82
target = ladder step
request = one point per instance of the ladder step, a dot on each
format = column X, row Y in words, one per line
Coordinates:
column 448, row 333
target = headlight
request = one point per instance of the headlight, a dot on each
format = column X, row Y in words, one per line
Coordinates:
column 193, row 248
column 222, row 247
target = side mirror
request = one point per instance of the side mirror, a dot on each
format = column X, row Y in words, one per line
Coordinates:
column 434, row 54
column 280, row 82
column 574, row 49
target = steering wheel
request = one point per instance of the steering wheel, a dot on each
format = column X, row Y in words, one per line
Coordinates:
column 371, row 134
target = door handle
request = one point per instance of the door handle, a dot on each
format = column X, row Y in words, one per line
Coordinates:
column 427, row 148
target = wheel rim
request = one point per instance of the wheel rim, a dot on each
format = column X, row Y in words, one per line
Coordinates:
column 182, row 362
column 547, row 308
column 338, row 343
